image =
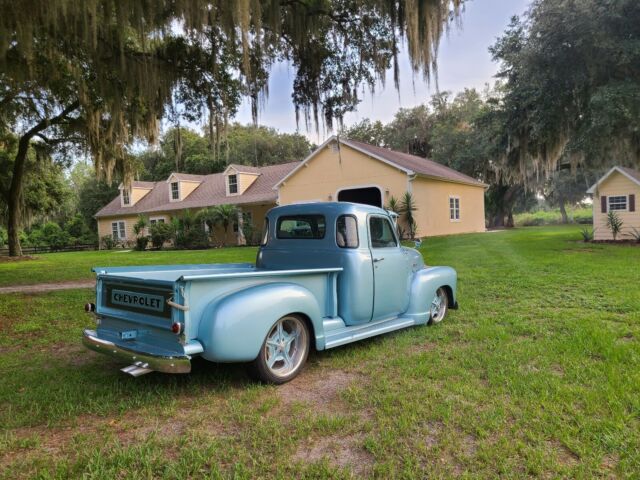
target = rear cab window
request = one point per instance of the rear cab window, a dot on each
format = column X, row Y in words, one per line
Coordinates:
column 381, row 233
column 301, row 227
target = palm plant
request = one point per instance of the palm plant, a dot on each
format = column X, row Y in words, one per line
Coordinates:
column 614, row 223
column 393, row 205
column 407, row 207
column 223, row 215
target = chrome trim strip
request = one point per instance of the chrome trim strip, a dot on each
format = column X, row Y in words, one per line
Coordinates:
column 159, row 363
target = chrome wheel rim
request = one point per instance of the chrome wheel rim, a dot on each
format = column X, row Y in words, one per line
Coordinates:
column 286, row 346
column 438, row 306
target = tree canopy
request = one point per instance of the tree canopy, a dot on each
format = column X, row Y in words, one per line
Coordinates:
column 96, row 75
column 116, row 67
column 242, row 144
column 572, row 87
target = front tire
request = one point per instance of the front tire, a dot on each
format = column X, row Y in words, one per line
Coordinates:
column 439, row 306
column 284, row 351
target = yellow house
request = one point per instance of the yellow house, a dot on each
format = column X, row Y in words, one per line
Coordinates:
column 249, row 188
column 447, row 201
column 616, row 191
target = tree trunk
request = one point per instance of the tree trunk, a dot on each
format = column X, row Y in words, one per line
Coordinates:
column 14, row 200
column 563, row 210
column 15, row 196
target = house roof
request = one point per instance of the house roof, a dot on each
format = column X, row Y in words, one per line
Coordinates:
column 188, row 177
column 410, row 164
column 211, row 191
column 245, row 169
column 139, row 184
column 630, row 173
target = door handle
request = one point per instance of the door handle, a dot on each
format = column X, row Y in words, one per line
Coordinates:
column 376, row 260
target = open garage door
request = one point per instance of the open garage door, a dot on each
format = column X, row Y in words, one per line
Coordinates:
column 366, row 195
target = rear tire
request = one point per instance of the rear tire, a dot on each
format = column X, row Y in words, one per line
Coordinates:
column 284, row 351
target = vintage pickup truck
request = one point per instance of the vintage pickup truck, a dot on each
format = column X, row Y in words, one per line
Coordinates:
column 326, row 274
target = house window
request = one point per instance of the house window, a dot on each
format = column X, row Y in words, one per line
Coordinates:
column 118, row 231
column 233, row 184
column 618, row 203
column 175, row 191
column 153, row 221
column 125, row 197
column 454, row 209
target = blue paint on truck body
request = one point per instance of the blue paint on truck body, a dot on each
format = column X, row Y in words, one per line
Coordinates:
column 344, row 272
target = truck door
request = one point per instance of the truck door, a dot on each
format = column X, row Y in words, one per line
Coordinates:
column 390, row 269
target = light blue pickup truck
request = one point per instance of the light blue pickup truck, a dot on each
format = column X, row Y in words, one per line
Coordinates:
column 326, row 274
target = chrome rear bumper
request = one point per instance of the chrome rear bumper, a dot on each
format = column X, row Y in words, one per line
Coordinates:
column 159, row 363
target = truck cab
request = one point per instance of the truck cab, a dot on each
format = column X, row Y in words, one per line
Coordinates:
column 362, row 240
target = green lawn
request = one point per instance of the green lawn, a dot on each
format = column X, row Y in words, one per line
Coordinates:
column 57, row 267
column 537, row 374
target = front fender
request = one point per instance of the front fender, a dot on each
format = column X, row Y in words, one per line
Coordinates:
column 233, row 328
column 423, row 288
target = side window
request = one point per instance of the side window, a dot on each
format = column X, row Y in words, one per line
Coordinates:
column 347, row 232
column 381, row 233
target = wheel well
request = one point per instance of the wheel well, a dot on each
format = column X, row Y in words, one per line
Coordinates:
column 450, row 299
column 307, row 320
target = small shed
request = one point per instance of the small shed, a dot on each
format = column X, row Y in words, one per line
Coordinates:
column 616, row 191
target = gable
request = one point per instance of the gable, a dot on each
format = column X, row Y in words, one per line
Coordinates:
column 617, row 182
column 331, row 165
column 617, row 177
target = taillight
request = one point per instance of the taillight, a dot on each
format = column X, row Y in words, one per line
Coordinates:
column 89, row 307
column 176, row 328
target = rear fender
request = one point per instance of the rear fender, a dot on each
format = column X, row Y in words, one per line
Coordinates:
column 233, row 328
column 423, row 288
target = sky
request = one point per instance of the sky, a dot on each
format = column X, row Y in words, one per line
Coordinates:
column 463, row 61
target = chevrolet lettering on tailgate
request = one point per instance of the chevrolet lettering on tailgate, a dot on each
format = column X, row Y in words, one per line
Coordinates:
column 140, row 300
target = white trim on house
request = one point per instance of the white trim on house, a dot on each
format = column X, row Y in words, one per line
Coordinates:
column 626, row 203
column 327, row 142
column 129, row 195
column 171, row 199
column 120, row 230
column 450, row 180
column 455, row 208
column 227, row 184
column 593, row 188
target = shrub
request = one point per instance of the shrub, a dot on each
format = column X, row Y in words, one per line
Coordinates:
column 160, row 234
column 193, row 238
column 141, row 243
column 614, row 223
column 3, row 237
column 108, row 243
column 635, row 234
column 587, row 234
column 78, row 230
column 54, row 236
